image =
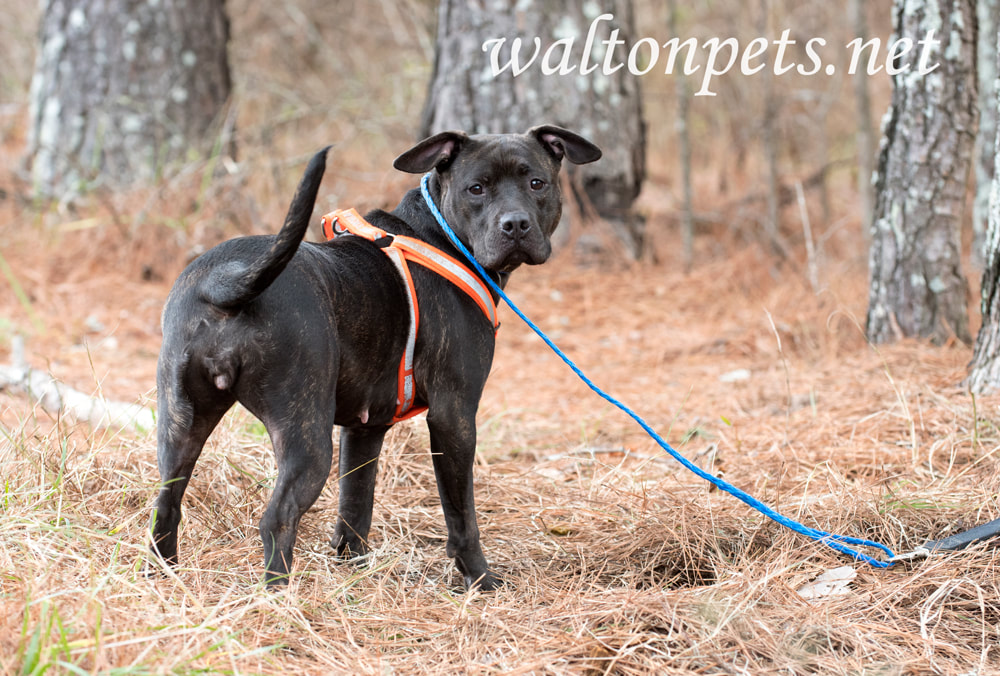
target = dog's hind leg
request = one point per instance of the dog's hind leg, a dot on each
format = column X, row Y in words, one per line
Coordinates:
column 303, row 448
column 359, row 451
column 181, row 433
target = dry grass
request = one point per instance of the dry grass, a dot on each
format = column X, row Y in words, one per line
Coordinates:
column 617, row 560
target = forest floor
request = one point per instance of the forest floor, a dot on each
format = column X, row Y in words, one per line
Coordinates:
column 617, row 560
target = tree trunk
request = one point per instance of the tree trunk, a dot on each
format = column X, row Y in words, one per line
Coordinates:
column 123, row 88
column 606, row 109
column 769, row 142
column 988, row 12
column 917, row 287
column 684, row 147
column 984, row 370
column 865, row 134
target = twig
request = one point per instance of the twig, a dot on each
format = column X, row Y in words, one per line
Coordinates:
column 60, row 399
column 807, row 233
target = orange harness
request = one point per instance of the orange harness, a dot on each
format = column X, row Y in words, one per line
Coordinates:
column 403, row 250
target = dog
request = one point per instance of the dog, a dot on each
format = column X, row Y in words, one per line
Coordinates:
column 310, row 335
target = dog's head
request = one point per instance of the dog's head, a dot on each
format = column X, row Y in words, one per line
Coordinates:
column 500, row 192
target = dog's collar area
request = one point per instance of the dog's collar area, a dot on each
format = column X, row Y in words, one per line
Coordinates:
column 402, row 251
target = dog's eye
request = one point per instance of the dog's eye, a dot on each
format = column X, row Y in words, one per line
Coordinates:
column 476, row 189
column 537, row 184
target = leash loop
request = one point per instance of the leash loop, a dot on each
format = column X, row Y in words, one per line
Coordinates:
column 840, row 543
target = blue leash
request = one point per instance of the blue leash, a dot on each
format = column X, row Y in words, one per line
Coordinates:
column 837, row 542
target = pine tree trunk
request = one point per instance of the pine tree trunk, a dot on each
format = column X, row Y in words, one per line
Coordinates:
column 917, row 287
column 123, row 88
column 769, row 143
column 988, row 12
column 984, row 370
column 606, row 109
column 865, row 133
column 683, row 128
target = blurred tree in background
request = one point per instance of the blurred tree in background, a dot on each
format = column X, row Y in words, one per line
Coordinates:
column 606, row 108
column 984, row 370
column 123, row 88
column 988, row 17
column 865, row 134
column 917, row 288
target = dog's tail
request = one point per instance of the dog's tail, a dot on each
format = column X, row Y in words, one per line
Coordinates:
column 234, row 284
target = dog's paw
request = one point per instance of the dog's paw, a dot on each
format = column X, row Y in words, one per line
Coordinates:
column 486, row 582
column 154, row 570
column 156, row 565
column 353, row 550
column 275, row 581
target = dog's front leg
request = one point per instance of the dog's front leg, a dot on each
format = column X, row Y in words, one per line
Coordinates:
column 359, row 451
column 453, row 450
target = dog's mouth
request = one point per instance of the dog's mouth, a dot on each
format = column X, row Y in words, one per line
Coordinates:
column 501, row 248
column 515, row 259
column 511, row 258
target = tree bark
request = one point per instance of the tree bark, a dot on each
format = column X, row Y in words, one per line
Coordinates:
column 605, row 108
column 988, row 13
column 769, row 142
column 123, row 88
column 865, row 133
column 917, row 287
column 683, row 129
column 984, row 370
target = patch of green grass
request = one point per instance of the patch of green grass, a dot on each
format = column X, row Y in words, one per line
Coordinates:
column 256, row 429
column 696, row 432
column 44, row 643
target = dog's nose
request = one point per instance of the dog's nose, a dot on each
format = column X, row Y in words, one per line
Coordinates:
column 515, row 224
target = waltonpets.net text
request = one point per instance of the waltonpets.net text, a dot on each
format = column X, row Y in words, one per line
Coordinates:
column 720, row 56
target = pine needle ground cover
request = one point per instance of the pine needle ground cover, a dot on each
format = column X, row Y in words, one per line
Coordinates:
column 618, row 561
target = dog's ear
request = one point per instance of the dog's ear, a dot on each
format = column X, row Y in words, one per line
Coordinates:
column 564, row 143
column 435, row 152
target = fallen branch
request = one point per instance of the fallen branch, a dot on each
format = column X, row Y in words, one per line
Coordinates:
column 61, row 400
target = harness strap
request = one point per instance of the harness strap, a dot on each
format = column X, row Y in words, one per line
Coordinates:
column 401, row 250
column 405, row 389
column 437, row 261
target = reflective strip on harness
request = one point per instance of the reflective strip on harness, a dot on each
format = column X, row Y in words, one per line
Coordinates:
column 401, row 251
column 449, row 268
column 405, row 392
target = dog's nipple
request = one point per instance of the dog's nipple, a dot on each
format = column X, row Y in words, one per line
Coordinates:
column 222, row 382
column 364, row 416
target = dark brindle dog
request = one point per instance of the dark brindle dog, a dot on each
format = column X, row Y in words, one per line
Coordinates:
column 308, row 336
